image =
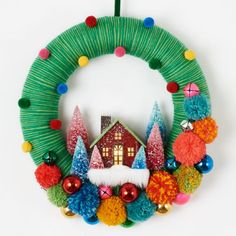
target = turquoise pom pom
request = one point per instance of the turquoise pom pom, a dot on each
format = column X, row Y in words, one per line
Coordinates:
column 197, row 107
column 141, row 209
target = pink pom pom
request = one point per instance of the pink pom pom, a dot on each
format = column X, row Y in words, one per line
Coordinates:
column 44, row 53
column 120, row 51
column 181, row 198
column 191, row 90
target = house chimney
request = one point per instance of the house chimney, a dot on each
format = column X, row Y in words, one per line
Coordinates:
column 105, row 122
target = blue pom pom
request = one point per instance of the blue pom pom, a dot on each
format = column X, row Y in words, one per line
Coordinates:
column 91, row 220
column 62, row 88
column 141, row 209
column 148, row 22
column 86, row 201
column 197, row 107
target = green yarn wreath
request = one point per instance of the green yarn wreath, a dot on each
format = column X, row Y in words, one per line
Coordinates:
column 110, row 32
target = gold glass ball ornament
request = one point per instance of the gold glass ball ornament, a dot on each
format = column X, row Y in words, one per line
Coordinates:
column 67, row 212
column 163, row 209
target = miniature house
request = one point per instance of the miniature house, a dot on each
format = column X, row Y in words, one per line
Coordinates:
column 117, row 144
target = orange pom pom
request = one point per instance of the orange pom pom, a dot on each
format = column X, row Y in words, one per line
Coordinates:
column 189, row 149
column 112, row 211
column 162, row 188
column 206, row 129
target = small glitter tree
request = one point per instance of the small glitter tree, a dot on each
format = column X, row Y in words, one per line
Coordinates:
column 156, row 118
column 155, row 150
column 76, row 128
column 96, row 159
column 80, row 161
column 140, row 159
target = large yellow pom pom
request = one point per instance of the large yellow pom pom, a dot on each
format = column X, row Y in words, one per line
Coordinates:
column 112, row 211
column 83, row 61
column 189, row 55
column 26, row 146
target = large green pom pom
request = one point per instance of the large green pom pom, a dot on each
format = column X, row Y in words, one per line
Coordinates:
column 57, row 196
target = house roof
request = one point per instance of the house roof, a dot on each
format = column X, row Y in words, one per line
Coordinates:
column 111, row 126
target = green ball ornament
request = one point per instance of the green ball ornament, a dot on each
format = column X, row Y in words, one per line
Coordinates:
column 57, row 196
column 49, row 158
column 128, row 223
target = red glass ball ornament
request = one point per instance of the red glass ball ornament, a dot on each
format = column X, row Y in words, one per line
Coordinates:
column 71, row 184
column 91, row 21
column 128, row 192
column 172, row 87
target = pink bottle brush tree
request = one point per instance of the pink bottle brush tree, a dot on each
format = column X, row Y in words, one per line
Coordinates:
column 75, row 129
column 155, row 150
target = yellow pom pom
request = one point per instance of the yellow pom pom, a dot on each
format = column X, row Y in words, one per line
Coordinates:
column 189, row 55
column 112, row 211
column 83, row 61
column 27, row 146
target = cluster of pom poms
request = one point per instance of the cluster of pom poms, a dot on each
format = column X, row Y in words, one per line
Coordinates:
column 47, row 176
column 188, row 179
column 206, row 129
column 112, row 211
column 162, row 188
column 86, row 201
column 189, row 149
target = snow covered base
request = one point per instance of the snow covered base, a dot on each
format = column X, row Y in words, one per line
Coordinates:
column 118, row 175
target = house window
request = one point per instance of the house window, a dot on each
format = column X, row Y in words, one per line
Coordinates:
column 117, row 136
column 118, row 154
column 105, row 152
column 130, row 151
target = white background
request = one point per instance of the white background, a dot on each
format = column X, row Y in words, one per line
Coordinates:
column 123, row 88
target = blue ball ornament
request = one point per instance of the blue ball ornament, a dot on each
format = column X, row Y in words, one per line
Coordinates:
column 205, row 165
column 91, row 220
column 197, row 107
column 148, row 22
column 62, row 88
column 171, row 164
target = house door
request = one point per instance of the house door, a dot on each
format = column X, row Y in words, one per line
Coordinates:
column 118, row 154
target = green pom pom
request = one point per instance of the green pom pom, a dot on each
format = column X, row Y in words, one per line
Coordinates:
column 155, row 64
column 57, row 196
column 24, row 103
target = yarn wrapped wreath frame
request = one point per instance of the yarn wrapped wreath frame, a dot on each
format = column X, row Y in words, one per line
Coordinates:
column 181, row 174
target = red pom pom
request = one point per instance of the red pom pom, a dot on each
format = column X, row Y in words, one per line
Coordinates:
column 189, row 149
column 91, row 21
column 47, row 176
column 55, row 124
column 172, row 87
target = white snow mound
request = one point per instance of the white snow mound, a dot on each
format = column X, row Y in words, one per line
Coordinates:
column 118, row 175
